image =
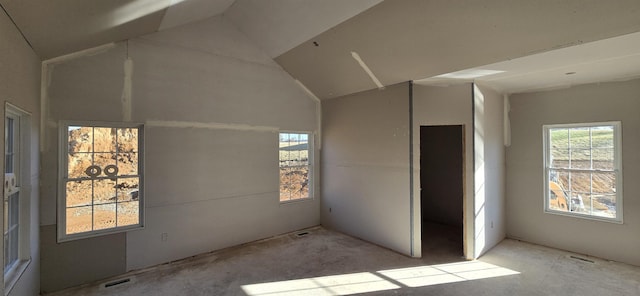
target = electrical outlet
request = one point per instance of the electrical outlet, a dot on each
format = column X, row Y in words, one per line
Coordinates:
column 164, row 237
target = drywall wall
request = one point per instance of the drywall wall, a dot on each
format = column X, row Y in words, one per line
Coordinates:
column 20, row 86
column 85, row 88
column 524, row 159
column 489, row 167
column 434, row 105
column 365, row 166
column 212, row 108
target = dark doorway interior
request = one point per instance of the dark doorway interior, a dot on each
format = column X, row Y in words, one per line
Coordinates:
column 442, row 191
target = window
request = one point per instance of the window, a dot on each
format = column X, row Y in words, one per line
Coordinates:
column 16, row 194
column 295, row 166
column 101, row 179
column 583, row 170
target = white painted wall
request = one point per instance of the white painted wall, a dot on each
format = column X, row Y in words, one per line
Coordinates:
column 213, row 104
column 524, row 158
column 489, row 168
column 365, row 166
column 20, row 86
column 433, row 105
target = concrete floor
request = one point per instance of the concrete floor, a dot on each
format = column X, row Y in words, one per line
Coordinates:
column 324, row 262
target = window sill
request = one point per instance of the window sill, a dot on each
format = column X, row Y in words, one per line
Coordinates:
column 298, row 200
column 12, row 277
column 585, row 217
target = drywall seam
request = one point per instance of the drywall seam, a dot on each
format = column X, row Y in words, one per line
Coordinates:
column 228, row 196
column 77, row 54
column 44, row 86
column 211, row 125
column 126, row 92
column 506, row 122
column 176, row 46
column 45, row 81
column 318, row 111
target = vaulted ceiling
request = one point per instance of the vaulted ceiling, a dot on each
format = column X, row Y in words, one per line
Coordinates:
column 519, row 45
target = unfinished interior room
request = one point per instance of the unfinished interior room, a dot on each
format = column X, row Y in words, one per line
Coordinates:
column 307, row 147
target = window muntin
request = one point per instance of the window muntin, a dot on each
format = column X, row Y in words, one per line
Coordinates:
column 583, row 170
column 101, row 179
column 295, row 151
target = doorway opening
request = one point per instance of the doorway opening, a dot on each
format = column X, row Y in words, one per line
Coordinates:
column 442, row 191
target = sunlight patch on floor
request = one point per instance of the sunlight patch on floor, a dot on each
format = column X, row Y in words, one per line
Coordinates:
column 446, row 273
column 363, row 282
column 344, row 284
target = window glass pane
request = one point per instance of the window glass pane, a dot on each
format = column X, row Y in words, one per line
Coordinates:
column 103, row 160
column 128, row 189
column 578, row 203
column 6, row 215
column 606, row 205
column 14, row 209
column 285, row 183
column 557, row 197
column 77, row 163
column 579, row 138
column 599, row 208
column 580, row 182
column 560, row 158
column 79, row 193
column 128, row 213
column 604, row 183
column 127, row 164
column 104, row 191
column 104, row 139
column 80, row 139
column 559, row 138
column 581, row 158
column 13, row 245
column 127, row 140
column 602, row 137
column 603, row 158
column 79, row 219
column 6, row 252
column 302, row 182
column 104, row 216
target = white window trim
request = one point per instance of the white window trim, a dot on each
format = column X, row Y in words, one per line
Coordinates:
column 63, row 169
column 12, row 276
column 311, row 154
column 617, row 139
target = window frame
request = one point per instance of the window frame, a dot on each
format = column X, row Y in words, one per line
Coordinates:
column 22, row 171
column 617, row 169
column 311, row 159
column 63, row 152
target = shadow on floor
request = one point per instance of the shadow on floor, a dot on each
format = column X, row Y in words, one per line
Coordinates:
column 325, row 262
